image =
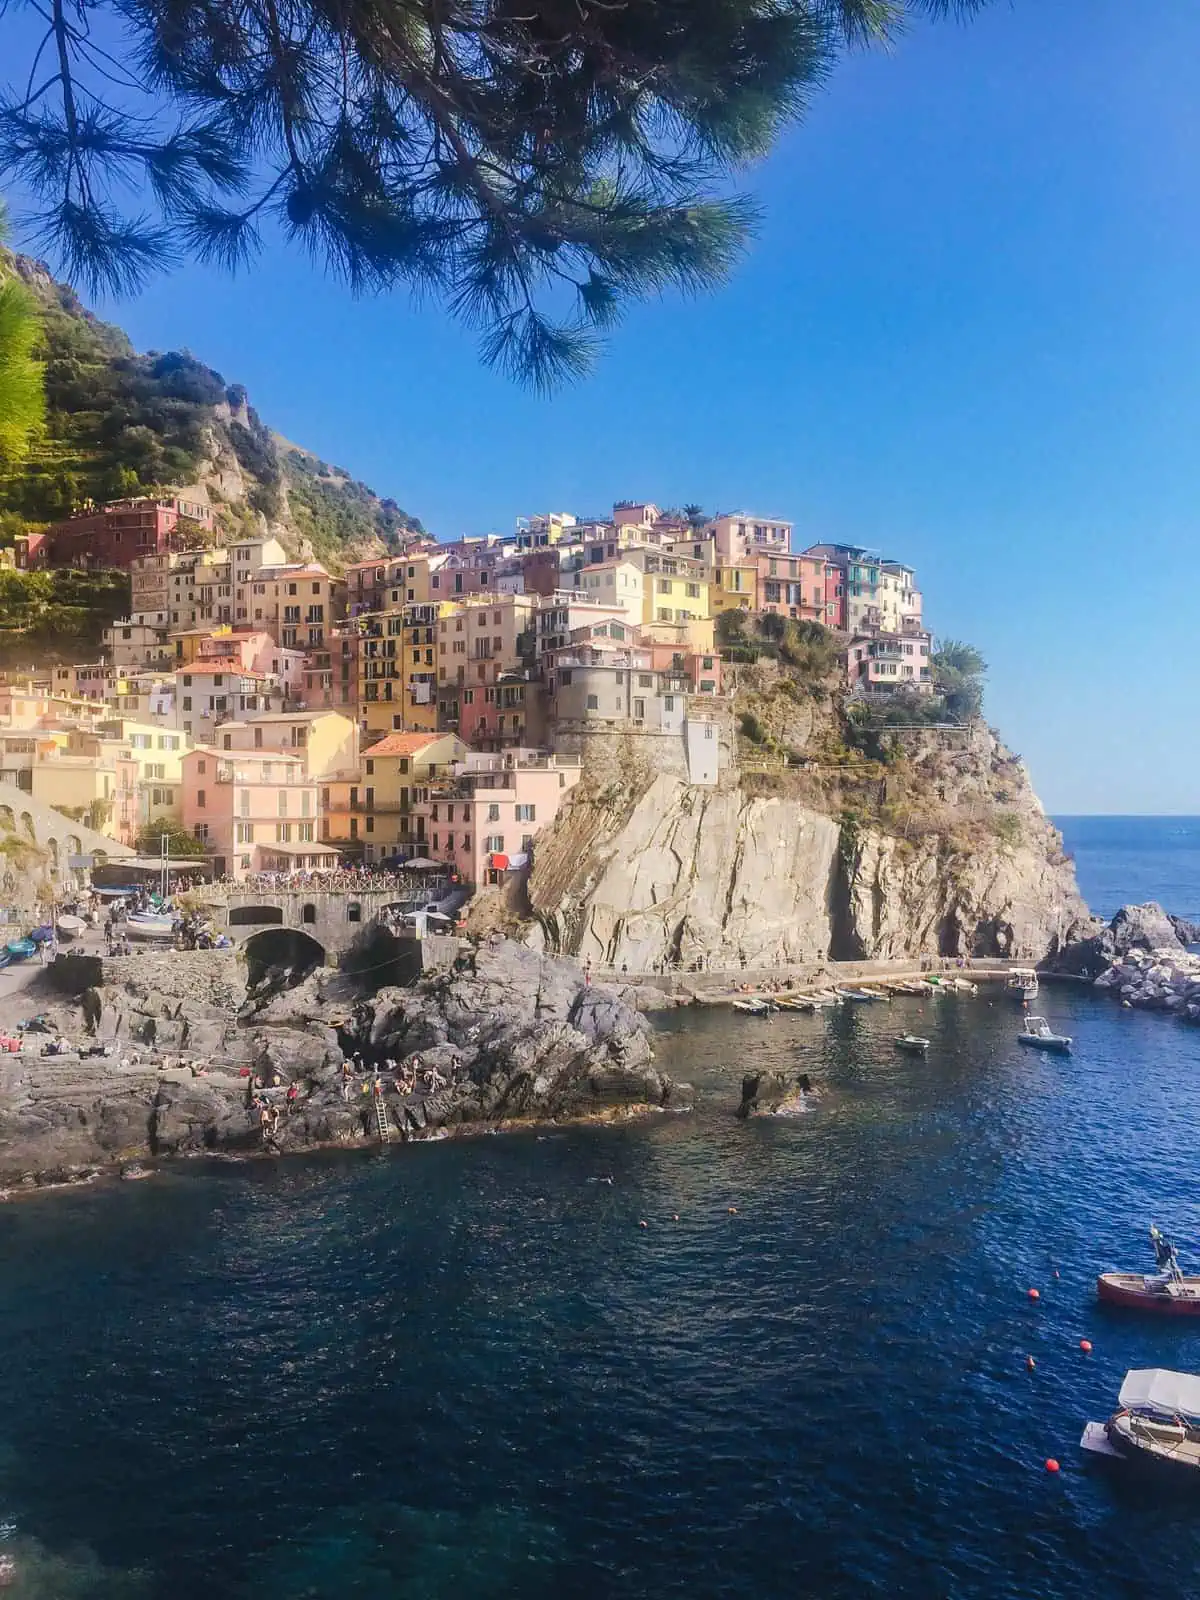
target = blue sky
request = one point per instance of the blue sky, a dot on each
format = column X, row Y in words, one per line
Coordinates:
column 968, row 335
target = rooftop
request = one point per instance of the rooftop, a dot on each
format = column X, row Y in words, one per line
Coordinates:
column 404, row 744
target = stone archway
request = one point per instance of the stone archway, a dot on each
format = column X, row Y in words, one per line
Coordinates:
column 285, row 949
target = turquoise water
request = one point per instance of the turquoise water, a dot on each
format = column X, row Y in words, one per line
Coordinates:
column 465, row 1370
column 1124, row 860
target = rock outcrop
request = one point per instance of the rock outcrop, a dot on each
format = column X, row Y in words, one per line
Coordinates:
column 509, row 1036
column 668, row 874
column 1141, row 959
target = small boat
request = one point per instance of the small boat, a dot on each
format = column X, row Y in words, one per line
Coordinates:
column 859, row 996
column 1166, row 1291
column 43, row 934
column 873, row 993
column 755, row 1008
column 913, row 1043
column 5, row 959
column 70, row 927
column 21, row 949
column 1022, row 984
column 148, row 925
column 1157, row 1424
column 1038, row 1033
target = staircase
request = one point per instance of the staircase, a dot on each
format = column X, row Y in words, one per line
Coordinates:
column 381, row 1117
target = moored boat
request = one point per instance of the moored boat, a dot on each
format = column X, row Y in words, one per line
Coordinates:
column 1167, row 1291
column 913, row 1043
column 859, row 996
column 755, row 1008
column 1038, row 1033
column 1022, row 984
column 1157, row 1424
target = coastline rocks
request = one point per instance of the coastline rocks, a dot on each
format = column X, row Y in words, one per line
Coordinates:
column 510, row 1035
column 1140, row 959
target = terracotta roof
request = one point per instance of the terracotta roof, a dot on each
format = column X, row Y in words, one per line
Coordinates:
column 403, row 744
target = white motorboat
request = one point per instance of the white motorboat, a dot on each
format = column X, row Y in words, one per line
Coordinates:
column 913, row 1043
column 1022, row 984
column 1038, row 1033
column 1157, row 1424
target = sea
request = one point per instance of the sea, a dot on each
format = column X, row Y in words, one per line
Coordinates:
column 686, row 1357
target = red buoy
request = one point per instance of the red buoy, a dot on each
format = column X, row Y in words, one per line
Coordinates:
column 1051, row 1465
column 1086, row 1346
column 1034, row 1294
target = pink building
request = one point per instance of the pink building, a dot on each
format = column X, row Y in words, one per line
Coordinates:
column 256, row 651
column 484, row 821
column 791, row 586
column 702, row 672
column 254, row 811
column 881, row 663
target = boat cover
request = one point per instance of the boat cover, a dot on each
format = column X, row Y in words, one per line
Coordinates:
column 1156, row 1389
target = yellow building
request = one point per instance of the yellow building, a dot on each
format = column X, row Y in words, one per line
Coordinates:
column 375, row 811
column 397, row 670
column 326, row 740
column 91, row 779
column 158, row 753
column 734, row 588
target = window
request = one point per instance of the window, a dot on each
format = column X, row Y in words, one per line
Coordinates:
column 693, row 590
column 244, row 833
column 493, row 814
column 494, row 842
column 187, row 702
column 306, row 803
column 201, row 799
column 304, row 832
column 645, row 681
column 370, row 769
column 187, row 680
column 593, row 702
column 244, row 802
column 200, row 832
column 354, row 912
column 283, row 833
column 526, row 814
column 156, row 769
column 668, row 702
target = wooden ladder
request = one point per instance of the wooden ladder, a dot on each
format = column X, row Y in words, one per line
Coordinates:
column 381, row 1117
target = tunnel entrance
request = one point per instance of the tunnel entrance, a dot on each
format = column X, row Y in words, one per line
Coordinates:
column 286, row 952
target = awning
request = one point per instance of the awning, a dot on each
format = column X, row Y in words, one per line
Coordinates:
column 1163, row 1392
column 290, row 848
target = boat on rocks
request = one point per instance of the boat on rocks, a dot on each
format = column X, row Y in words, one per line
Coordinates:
column 70, row 926
column 1167, row 1291
column 21, row 949
column 1039, row 1035
column 1157, row 1425
column 149, row 925
column 913, row 1043
column 1022, row 984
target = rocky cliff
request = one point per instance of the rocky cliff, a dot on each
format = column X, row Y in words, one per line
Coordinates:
column 941, row 848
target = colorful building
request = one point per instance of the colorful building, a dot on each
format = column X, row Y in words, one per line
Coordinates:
column 373, row 809
column 123, row 532
column 253, row 812
column 208, row 696
column 325, row 741
column 791, row 586
column 888, row 662
column 738, row 535
column 484, row 818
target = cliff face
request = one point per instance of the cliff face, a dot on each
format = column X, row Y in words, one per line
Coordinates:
column 660, row 871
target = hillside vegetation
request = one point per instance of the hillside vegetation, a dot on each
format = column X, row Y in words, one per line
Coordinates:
column 57, row 616
column 120, row 424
